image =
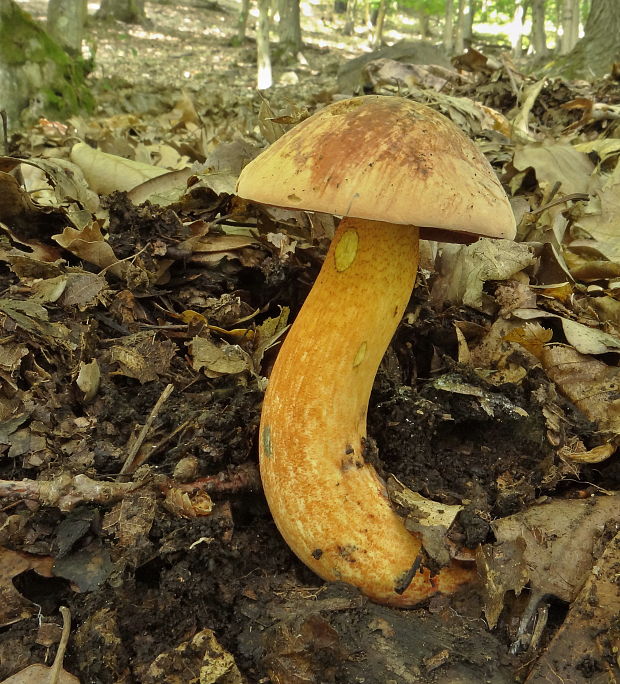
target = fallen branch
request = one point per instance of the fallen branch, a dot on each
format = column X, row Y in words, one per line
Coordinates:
column 66, row 491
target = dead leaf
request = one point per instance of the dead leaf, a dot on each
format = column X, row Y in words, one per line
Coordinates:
column 106, row 173
column 14, row 606
column 555, row 164
column 585, row 339
column 203, row 655
column 463, row 269
column 588, row 635
column 552, row 546
column 89, row 244
column 142, row 357
column 590, row 384
column 428, row 519
column 214, row 360
column 88, row 379
column 532, row 336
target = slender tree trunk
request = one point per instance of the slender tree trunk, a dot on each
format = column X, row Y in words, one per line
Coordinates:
column 516, row 35
column 459, row 39
column 349, row 23
column 448, row 27
column 576, row 23
column 263, row 56
column 425, row 24
column 570, row 25
column 470, row 13
column 539, row 36
column 242, row 21
column 65, row 22
column 367, row 19
column 378, row 37
column 595, row 53
column 289, row 28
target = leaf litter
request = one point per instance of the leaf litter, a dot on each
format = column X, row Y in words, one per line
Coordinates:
column 138, row 331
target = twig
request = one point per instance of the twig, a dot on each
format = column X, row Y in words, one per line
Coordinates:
column 132, row 461
column 577, row 196
column 56, row 669
column 66, row 492
column 243, row 478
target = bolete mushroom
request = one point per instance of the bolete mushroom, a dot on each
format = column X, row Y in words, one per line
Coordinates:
column 387, row 165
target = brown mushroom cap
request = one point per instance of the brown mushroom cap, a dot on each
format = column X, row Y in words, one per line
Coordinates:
column 383, row 158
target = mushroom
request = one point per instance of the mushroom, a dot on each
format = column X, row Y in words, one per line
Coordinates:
column 387, row 165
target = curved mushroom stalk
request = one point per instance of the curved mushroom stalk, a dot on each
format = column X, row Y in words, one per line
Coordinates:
column 327, row 501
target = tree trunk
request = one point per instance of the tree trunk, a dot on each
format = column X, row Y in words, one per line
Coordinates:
column 242, row 22
column 65, row 23
column 263, row 57
column 516, row 34
column 470, row 13
column 448, row 27
column 570, row 25
column 349, row 23
column 127, row 11
column 459, row 39
column 378, row 37
column 37, row 76
column 539, row 36
column 575, row 26
column 289, row 28
column 593, row 56
column 425, row 24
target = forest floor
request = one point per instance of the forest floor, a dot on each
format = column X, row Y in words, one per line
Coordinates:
column 173, row 571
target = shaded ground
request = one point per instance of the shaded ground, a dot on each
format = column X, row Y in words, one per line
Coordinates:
column 142, row 570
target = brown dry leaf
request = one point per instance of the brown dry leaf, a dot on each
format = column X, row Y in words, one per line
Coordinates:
column 532, row 336
column 268, row 333
column 596, row 455
column 428, row 519
column 216, row 360
column 162, row 190
column 13, row 606
column 40, row 674
column 106, row 173
column 589, row 633
column 585, row 339
column 186, row 505
column 203, row 654
column 89, row 244
column 131, row 518
column 593, row 259
column 558, row 163
column 142, row 357
column 463, row 269
column 11, row 355
column 30, row 316
column 590, row 384
column 553, row 546
column 83, row 290
column 502, row 569
column 88, row 379
column 63, row 184
column 601, row 216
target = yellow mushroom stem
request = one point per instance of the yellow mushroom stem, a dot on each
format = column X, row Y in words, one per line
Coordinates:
column 329, row 504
